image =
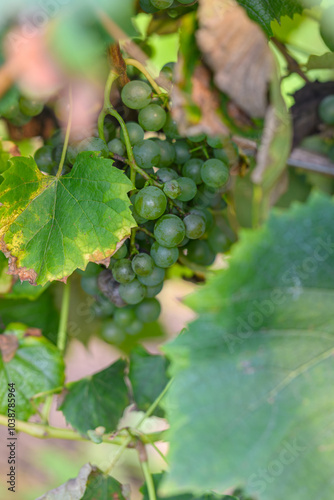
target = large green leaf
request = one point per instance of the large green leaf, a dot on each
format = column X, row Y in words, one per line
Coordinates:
column 157, row 478
column 98, row 400
column 252, row 403
column 12, row 288
column 264, row 12
column 30, row 362
column 90, row 484
column 53, row 225
column 148, row 378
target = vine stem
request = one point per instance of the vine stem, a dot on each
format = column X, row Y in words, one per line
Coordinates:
column 65, row 307
column 67, row 135
column 43, row 431
column 154, row 404
column 142, row 69
column 148, row 480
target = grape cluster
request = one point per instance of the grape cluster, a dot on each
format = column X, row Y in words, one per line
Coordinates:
column 178, row 190
column 19, row 109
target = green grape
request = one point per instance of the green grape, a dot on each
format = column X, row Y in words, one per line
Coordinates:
column 116, row 146
column 89, row 285
column 152, row 117
column 163, row 256
column 170, row 128
column 148, row 311
column 214, row 173
column 167, row 71
column 169, row 231
column 135, row 131
column 152, row 291
column 124, row 316
column 162, row 4
column 135, row 214
column 200, row 253
column 142, row 264
column 217, row 240
column 182, row 153
column 92, row 269
column 44, row 160
column 103, row 308
column 154, row 278
column 112, row 333
column 166, row 174
column 326, row 110
column 326, row 27
column 9, row 103
column 172, row 189
column 121, row 253
column 167, row 153
column 140, row 180
column 192, row 169
column 135, row 327
column 146, row 153
column 205, row 196
column 132, row 293
column 147, row 6
column 195, row 226
column 20, row 119
column 122, row 271
column 56, row 139
column 93, row 144
column 184, row 242
column 206, row 215
column 220, row 154
column 215, row 141
column 30, row 107
column 109, row 130
column 150, row 203
column 197, row 137
column 188, row 189
column 57, row 153
column 136, row 94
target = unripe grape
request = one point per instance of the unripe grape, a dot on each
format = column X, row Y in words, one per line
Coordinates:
column 136, row 94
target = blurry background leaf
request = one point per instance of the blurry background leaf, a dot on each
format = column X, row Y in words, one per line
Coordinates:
column 37, row 366
column 40, row 313
column 147, row 374
column 237, row 52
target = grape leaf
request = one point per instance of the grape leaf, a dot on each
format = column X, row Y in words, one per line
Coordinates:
column 157, row 478
column 98, row 400
column 40, row 313
column 264, row 12
column 251, row 404
column 12, row 288
column 36, row 366
column 148, row 378
column 52, row 225
column 90, row 484
column 102, row 487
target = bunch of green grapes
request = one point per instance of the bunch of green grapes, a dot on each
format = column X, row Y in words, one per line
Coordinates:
column 179, row 189
column 19, row 109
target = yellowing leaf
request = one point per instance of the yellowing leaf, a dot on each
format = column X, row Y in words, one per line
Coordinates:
column 52, row 225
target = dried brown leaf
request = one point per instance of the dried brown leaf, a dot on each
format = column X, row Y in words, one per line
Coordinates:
column 236, row 50
column 8, row 347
